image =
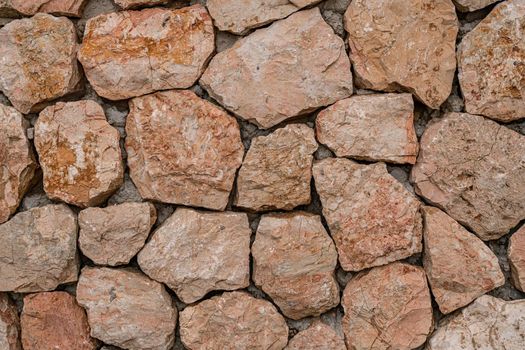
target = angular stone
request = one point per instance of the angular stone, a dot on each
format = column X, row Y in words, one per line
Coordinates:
column 196, row 252
column 233, row 320
column 72, row 8
column 115, row 234
column 132, row 53
column 491, row 61
column 472, row 5
column 54, row 320
column 399, row 45
column 377, row 127
column 516, row 254
column 132, row 4
column 277, row 170
column 373, row 219
column 289, row 69
column 318, row 336
column 39, row 250
column 9, row 324
column 473, row 169
column 182, row 149
column 387, row 307
column 127, row 309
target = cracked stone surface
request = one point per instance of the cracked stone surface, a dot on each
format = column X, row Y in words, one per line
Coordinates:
column 472, row 5
column 70, row 8
column 9, row 324
column 318, row 336
column 134, row 4
column 516, row 255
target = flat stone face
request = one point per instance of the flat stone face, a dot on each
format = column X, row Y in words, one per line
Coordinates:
column 182, row 149
column 233, row 320
column 318, row 336
column 378, row 127
column 132, row 53
column 196, row 252
column 39, row 61
column 291, row 68
column 294, row 263
column 79, row 153
column 473, row 169
column 39, row 250
column 373, row 219
column 399, row 45
column 9, row 324
column 491, row 61
column 387, row 307
column 459, row 266
column 472, row 5
column 516, row 254
column 127, row 309
column 131, row 4
column 72, row 8
column 277, row 170
column 115, row 234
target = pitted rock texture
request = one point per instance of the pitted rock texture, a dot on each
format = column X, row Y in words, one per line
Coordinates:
column 115, row 234
column 387, row 307
column 277, row 170
column 266, row 80
column 38, row 250
column 71, row 8
column 132, row 53
column 294, row 262
column 373, row 219
column 491, row 61
column 399, row 45
column 127, row 309
column 79, row 153
column 378, row 127
column 516, row 255
column 196, row 252
column 472, row 5
column 473, row 169
column 233, row 320
column 133, row 4
column 318, row 336
column 39, row 61
column 9, row 324
column 182, row 149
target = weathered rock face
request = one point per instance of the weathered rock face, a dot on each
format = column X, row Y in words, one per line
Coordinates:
column 72, row 8
column 318, row 336
column 127, row 309
column 377, row 127
column 291, row 68
column 131, row 4
column 196, row 252
column 79, row 153
column 399, row 45
column 54, row 320
column 491, row 61
column 472, row 5
column 387, row 307
column 373, row 219
column 459, row 266
column 132, row 53
column 115, row 234
column 182, row 149
column 233, row 320
column 473, row 169
column 277, row 170
column 39, row 61
column 516, row 254
column 9, row 324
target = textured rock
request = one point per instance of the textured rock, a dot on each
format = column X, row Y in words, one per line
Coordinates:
column 132, row 53
column 79, row 153
column 377, row 127
column 72, row 8
column 233, row 320
column 473, row 169
column 9, row 324
column 115, row 234
column 291, row 68
column 318, row 336
column 472, row 5
column 373, row 219
column 491, row 61
column 195, row 252
column 131, row 4
column 399, row 45
column 127, row 309
column 387, row 307
column 38, row 250
column 39, row 62
column 516, row 255
column 277, row 170
column 182, row 149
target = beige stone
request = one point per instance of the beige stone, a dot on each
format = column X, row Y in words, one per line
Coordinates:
column 71, row 8
column 277, row 170
column 182, row 149
column 472, row 5
column 132, row 4
column 318, row 336
column 291, row 68
column 516, row 255
column 9, row 324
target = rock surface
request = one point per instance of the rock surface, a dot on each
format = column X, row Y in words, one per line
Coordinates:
column 318, row 336
column 516, row 255
column 472, row 5
column 132, row 4
column 72, row 8
column 289, row 69
column 182, row 149
column 9, row 324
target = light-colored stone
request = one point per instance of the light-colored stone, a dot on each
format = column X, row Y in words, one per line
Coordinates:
column 132, row 4
column 516, row 255
column 291, row 68
column 132, row 53
column 378, row 127
column 182, row 149
column 79, row 153
column 72, row 8
column 9, row 324
column 318, row 336
column 472, row 5
column 233, row 320
column 473, row 169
